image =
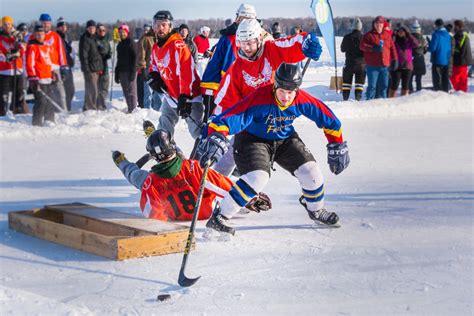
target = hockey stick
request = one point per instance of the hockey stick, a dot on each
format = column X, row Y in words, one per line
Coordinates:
column 51, row 101
column 305, row 67
column 182, row 279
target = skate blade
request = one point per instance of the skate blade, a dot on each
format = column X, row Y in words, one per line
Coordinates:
column 214, row 235
column 320, row 225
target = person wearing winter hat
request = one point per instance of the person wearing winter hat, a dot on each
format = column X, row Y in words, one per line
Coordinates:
column 146, row 96
column 12, row 51
column 419, row 67
column 61, row 29
column 58, row 57
column 462, row 57
column 380, row 55
column 441, row 52
column 126, row 68
column 92, row 65
column 105, row 51
column 187, row 38
column 355, row 62
column 203, row 49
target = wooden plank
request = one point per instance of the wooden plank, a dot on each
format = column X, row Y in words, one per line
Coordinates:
column 145, row 246
column 69, row 236
column 139, row 223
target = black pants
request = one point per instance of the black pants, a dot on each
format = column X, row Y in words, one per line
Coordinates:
column 69, row 89
column 140, row 91
column 357, row 71
column 417, row 80
column 440, row 78
column 403, row 75
column 6, row 94
column 254, row 153
column 43, row 110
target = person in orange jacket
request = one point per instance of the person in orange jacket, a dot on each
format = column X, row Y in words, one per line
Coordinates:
column 169, row 190
column 40, row 74
column 11, row 69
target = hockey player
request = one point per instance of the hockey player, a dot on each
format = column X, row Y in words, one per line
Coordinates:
column 169, row 190
column 263, row 124
column 255, row 65
column 12, row 52
column 172, row 71
column 41, row 76
column 223, row 56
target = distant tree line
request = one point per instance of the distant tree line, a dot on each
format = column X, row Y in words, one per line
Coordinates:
column 343, row 25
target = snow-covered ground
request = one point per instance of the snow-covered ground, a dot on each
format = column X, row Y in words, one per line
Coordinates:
column 406, row 205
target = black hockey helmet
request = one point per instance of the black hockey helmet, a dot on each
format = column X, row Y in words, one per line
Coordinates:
column 163, row 15
column 288, row 77
column 161, row 146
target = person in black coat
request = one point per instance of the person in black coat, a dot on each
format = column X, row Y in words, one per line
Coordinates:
column 419, row 66
column 67, row 74
column 126, row 69
column 355, row 62
column 91, row 65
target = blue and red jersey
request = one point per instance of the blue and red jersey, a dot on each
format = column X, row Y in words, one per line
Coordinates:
column 261, row 115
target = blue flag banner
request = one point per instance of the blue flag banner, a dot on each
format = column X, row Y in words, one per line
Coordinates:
column 323, row 13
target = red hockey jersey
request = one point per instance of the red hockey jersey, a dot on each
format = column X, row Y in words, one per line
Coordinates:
column 57, row 52
column 7, row 45
column 38, row 62
column 175, row 64
column 245, row 76
column 175, row 198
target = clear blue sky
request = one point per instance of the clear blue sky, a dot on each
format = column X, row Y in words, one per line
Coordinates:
column 111, row 10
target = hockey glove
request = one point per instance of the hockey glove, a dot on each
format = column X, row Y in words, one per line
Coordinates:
column 213, row 148
column 311, row 47
column 156, row 83
column 118, row 157
column 13, row 55
column 338, row 157
column 184, row 107
column 64, row 71
column 260, row 202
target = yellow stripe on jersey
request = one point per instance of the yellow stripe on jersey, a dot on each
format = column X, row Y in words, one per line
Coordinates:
column 209, row 85
column 218, row 128
column 333, row 132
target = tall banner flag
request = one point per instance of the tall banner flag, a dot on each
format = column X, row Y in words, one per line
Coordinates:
column 323, row 13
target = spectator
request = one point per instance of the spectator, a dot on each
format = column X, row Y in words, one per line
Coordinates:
column 11, row 69
column 92, row 65
column 184, row 32
column 440, row 49
column 404, row 44
column 462, row 57
column 419, row 67
column 68, row 77
column 276, row 31
column 105, row 51
column 126, row 71
column 203, row 52
column 379, row 53
column 355, row 63
column 295, row 30
column 146, row 97
column 39, row 68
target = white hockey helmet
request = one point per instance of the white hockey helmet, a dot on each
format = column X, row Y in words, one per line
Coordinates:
column 248, row 29
column 204, row 29
column 246, row 11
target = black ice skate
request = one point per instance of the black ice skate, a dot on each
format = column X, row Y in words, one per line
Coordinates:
column 219, row 222
column 321, row 216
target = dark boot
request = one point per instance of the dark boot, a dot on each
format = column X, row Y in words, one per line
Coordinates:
column 219, row 222
column 321, row 215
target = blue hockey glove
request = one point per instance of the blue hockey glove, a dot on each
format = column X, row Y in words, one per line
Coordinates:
column 213, row 148
column 338, row 157
column 311, row 47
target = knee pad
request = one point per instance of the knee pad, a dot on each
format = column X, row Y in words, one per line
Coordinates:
column 312, row 184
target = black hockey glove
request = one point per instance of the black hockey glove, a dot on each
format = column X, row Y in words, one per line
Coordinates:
column 156, row 83
column 184, row 107
column 64, row 72
column 118, row 157
column 338, row 157
column 34, row 85
column 260, row 202
column 213, row 148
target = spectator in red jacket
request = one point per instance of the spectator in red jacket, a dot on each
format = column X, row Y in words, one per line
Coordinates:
column 380, row 54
